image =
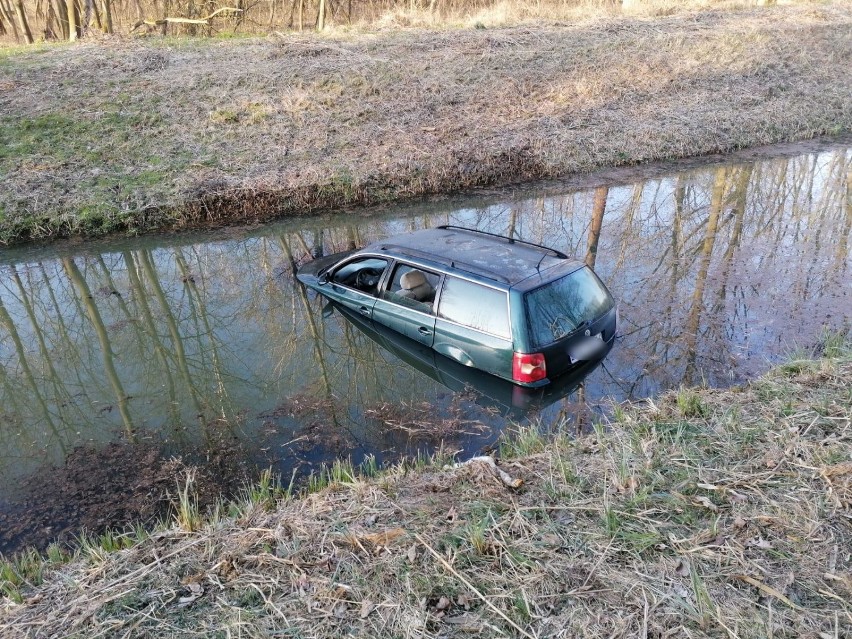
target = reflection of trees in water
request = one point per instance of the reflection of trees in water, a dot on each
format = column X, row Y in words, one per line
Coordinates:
column 140, row 299
column 697, row 306
column 598, row 211
column 708, row 266
column 12, row 391
column 85, row 295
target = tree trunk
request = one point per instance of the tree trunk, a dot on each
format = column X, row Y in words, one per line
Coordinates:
column 92, row 9
column 321, row 16
column 61, row 17
column 27, row 372
column 73, row 20
column 107, row 10
column 22, row 20
column 6, row 13
column 842, row 246
column 166, row 8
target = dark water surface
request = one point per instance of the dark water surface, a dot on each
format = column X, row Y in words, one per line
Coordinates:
column 204, row 346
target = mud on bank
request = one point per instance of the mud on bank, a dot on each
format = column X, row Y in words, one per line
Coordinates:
column 137, row 135
column 705, row 513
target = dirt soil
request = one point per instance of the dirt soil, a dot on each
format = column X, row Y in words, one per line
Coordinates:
column 111, row 488
column 143, row 134
column 93, row 490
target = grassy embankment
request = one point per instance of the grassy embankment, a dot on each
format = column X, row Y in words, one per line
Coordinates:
column 141, row 134
column 706, row 513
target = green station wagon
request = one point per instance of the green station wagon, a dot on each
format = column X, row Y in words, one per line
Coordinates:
column 517, row 310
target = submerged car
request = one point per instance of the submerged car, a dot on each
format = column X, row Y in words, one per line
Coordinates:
column 514, row 309
column 509, row 399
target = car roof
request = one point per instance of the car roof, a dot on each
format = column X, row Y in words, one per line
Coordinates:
column 490, row 256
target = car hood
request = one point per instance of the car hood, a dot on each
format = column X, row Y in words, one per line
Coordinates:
column 309, row 273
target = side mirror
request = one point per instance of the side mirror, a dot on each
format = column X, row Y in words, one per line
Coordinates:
column 323, row 278
column 327, row 310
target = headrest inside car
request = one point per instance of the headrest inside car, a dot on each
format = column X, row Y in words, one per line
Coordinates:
column 412, row 279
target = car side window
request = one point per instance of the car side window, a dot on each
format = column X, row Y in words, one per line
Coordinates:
column 413, row 287
column 481, row 307
column 363, row 274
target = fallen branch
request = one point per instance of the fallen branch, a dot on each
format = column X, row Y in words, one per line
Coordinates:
column 205, row 21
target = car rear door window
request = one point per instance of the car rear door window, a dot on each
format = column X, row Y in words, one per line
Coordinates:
column 476, row 306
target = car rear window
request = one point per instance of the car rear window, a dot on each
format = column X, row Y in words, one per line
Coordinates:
column 561, row 306
column 480, row 307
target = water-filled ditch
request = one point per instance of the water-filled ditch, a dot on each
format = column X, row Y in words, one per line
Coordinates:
column 117, row 356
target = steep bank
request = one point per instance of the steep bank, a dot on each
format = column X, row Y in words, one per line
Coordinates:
column 136, row 135
column 706, row 513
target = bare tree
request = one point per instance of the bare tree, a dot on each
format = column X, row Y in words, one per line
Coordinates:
column 22, row 20
column 107, row 11
column 6, row 18
column 73, row 20
column 58, row 12
column 321, row 15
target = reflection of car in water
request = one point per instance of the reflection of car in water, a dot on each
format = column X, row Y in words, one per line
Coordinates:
column 517, row 310
column 490, row 390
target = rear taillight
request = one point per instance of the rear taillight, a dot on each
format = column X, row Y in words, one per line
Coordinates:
column 528, row 367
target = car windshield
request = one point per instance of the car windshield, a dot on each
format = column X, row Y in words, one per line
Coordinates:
column 560, row 307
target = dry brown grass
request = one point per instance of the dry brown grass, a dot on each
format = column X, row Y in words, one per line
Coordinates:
column 704, row 514
column 137, row 135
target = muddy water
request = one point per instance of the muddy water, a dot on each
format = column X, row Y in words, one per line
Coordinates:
column 119, row 356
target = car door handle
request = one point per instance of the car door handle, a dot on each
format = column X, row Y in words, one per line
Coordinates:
column 424, row 331
column 364, row 310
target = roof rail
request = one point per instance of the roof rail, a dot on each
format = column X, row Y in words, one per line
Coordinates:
column 511, row 240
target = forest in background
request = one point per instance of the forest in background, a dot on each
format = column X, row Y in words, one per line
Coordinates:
column 31, row 21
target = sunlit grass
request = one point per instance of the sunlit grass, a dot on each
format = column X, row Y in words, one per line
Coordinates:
column 162, row 137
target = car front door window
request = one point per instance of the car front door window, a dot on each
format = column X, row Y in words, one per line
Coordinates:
column 361, row 274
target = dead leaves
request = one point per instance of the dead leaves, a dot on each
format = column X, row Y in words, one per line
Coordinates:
column 443, row 604
column 382, row 538
column 367, row 607
column 838, row 481
column 768, row 590
column 726, row 492
column 700, row 500
column 836, row 470
column 374, row 543
column 195, row 592
column 759, row 542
